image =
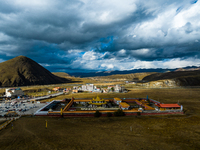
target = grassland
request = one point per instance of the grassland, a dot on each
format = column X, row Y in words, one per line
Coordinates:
column 148, row 132
column 137, row 76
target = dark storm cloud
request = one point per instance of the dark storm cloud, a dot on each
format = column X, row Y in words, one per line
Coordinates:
column 57, row 34
column 64, row 22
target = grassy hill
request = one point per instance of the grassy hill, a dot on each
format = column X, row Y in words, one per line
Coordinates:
column 182, row 78
column 61, row 74
column 22, row 71
column 132, row 76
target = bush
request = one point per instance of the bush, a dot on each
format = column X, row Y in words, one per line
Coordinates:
column 97, row 114
column 138, row 113
column 118, row 113
column 109, row 114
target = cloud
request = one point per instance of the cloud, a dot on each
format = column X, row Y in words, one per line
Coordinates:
column 100, row 35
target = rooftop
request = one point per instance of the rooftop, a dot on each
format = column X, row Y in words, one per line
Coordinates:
column 117, row 99
column 168, row 105
column 124, row 104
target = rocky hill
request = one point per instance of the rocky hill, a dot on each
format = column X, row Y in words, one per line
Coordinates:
column 22, row 71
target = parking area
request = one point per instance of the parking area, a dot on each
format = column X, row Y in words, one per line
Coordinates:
column 20, row 108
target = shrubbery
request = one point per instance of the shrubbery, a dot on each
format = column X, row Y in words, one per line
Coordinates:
column 118, row 113
column 108, row 114
column 138, row 113
column 97, row 114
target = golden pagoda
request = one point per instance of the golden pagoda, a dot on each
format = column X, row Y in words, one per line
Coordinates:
column 97, row 102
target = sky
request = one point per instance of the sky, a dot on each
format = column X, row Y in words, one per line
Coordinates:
column 101, row 35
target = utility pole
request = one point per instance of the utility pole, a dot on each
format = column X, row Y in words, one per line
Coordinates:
column 46, row 124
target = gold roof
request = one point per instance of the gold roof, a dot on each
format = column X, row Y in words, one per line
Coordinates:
column 102, row 101
column 124, row 105
column 117, row 99
column 98, row 99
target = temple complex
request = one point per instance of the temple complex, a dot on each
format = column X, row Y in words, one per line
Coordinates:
column 87, row 107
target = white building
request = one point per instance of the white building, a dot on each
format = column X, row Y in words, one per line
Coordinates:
column 88, row 87
column 117, row 88
column 12, row 92
column 97, row 90
column 84, row 88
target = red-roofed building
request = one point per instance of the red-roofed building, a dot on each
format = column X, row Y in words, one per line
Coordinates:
column 56, row 89
column 168, row 106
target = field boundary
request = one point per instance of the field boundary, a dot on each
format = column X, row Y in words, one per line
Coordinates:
column 7, row 123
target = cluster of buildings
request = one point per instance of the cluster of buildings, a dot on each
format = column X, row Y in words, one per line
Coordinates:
column 14, row 92
column 129, row 106
column 94, row 89
column 56, row 89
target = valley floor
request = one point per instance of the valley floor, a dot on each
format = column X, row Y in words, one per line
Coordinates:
column 148, row 132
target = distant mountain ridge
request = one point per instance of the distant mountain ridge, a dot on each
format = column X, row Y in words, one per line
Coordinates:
column 188, row 69
column 108, row 73
column 22, row 71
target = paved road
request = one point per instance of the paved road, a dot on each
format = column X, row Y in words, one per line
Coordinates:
column 46, row 96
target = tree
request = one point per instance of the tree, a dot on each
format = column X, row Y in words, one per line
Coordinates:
column 108, row 114
column 139, row 113
column 97, row 114
column 118, row 113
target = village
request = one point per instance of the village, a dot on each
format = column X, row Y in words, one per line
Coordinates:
column 91, row 88
column 82, row 106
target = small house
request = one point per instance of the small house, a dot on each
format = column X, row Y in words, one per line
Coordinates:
column 56, row 89
column 117, row 101
column 124, row 105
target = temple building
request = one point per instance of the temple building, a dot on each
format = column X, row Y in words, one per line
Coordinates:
column 168, row 106
column 98, row 102
column 117, row 101
column 124, row 106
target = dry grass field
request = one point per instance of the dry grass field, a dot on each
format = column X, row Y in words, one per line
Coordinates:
column 131, row 76
column 148, row 132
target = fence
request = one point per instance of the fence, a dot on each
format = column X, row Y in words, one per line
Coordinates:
column 7, row 123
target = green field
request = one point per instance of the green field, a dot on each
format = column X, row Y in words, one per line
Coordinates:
column 148, row 132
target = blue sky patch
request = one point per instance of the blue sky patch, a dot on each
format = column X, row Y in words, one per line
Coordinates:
column 193, row 1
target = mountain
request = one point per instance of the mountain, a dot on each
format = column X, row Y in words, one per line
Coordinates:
column 118, row 77
column 188, row 69
column 116, row 72
column 22, row 71
column 182, row 78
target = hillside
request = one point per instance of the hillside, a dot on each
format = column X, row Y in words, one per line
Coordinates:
column 22, row 71
column 117, row 72
column 182, row 78
column 188, row 69
column 61, row 74
column 132, row 76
